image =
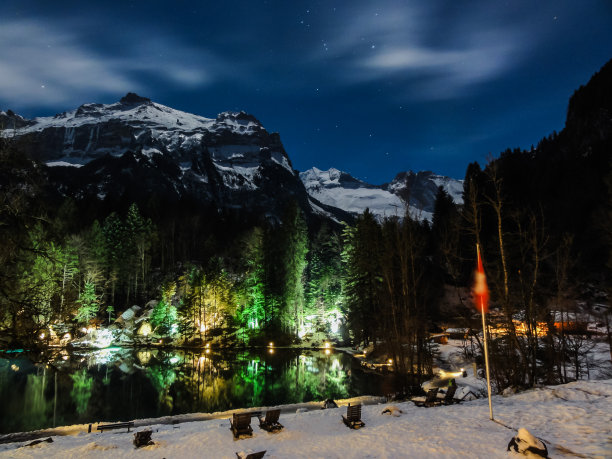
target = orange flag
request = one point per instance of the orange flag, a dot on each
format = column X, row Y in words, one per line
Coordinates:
column 480, row 290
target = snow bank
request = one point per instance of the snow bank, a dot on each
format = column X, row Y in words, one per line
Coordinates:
column 571, row 418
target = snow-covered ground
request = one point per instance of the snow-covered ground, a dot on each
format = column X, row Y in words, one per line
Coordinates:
column 573, row 420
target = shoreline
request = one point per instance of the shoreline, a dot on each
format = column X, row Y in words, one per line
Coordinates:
column 83, row 429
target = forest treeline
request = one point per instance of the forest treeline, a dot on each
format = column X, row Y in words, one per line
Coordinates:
column 541, row 216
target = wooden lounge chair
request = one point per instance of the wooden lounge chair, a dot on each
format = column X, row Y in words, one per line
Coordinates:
column 241, row 424
column 353, row 417
column 449, row 397
column 270, row 422
column 429, row 400
column 258, row 455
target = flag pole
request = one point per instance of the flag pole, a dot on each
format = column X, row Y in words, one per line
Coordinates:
column 486, row 349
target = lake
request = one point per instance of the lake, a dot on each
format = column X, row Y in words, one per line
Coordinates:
column 117, row 384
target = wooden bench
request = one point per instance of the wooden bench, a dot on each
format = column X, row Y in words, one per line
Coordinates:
column 117, row 425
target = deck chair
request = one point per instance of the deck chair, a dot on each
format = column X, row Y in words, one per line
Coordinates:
column 353, row 417
column 258, row 455
column 449, row 398
column 429, row 400
column 241, row 424
column 270, row 422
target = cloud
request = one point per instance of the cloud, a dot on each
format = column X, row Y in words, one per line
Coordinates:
column 46, row 65
column 435, row 53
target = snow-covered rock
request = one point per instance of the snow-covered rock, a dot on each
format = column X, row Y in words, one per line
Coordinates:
column 527, row 445
column 409, row 191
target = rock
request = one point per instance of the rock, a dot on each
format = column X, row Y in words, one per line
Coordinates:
column 526, row 444
column 329, row 403
column 392, row 410
column 143, row 438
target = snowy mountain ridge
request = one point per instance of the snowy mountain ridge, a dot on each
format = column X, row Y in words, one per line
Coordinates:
column 414, row 192
column 135, row 147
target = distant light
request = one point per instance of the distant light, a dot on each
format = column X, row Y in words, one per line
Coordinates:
column 207, row 345
column 42, row 336
column 327, row 351
column 271, row 344
column 327, row 345
column 208, row 351
column 390, row 361
column 271, row 351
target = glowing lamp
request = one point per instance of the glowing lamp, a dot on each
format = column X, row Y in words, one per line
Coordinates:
column 271, row 344
column 327, row 351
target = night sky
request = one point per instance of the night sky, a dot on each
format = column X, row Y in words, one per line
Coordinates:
column 369, row 87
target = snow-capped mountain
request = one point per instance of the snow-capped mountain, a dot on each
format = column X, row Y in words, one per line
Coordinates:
column 415, row 191
column 136, row 148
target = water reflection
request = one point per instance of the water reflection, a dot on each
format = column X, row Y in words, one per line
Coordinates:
column 121, row 384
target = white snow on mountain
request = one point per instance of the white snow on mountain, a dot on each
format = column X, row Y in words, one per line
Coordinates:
column 339, row 189
column 335, row 188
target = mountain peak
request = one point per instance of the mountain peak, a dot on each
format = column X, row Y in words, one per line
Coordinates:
column 131, row 98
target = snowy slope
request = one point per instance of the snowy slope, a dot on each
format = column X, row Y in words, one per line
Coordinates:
column 415, row 191
column 338, row 189
column 572, row 419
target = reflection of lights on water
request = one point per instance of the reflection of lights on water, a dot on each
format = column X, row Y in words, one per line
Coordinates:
column 144, row 356
column 104, row 338
column 271, row 351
